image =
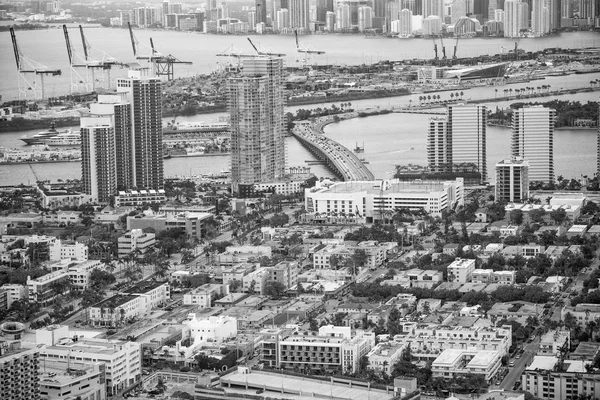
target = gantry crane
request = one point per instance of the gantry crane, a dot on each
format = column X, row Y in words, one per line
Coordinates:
column 264, row 53
column 97, row 59
column 161, row 65
column 232, row 53
column 29, row 72
column 435, row 48
column 455, row 48
column 81, row 69
column 305, row 51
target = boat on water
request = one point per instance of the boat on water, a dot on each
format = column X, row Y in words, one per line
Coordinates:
column 66, row 139
column 39, row 138
column 359, row 149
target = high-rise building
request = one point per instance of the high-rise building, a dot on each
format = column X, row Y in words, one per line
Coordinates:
column 392, row 13
column 405, row 22
column 379, row 8
column 261, row 11
column 540, row 17
column 566, row 10
column 342, row 17
column 299, row 14
column 365, row 18
column 432, row 25
column 433, row 7
column 512, row 180
column 458, row 9
column 98, row 159
column 146, row 162
column 19, row 372
column 457, row 142
column 492, row 6
column 283, row 19
column 330, row 21
column 323, row 6
column 439, row 145
column 467, row 131
column 499, row 15
column 255, row 102
column 533, row 140
column 588, row 8
column 409, row 4
column 252, row 19
column 515, row 17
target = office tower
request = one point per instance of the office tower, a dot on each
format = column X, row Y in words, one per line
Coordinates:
column 261, row 11
column 458, row 9
column 275, row 6
column 392, row 13
column 299, row 14
column 323, row 6
column 330, row 21
column 283, row 19
column 588, row 8
column 433, row 7
column 533, row 140
column 145, row 169
column 19, row 372
column 379, row 8
column 409, row 4
column 512, row 180
column 499, row 15
column 432, row 25
column 439, row 145
column 566, row 10
column 255, row 102
column 252, row 19
column 365, row 18
column 515, row 17
column 467, row 131
column 405, row 25
column 342, row 17
column 492, row 6
column 540, row 18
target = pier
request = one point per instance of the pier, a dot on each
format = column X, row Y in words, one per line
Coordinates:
column 342, row 161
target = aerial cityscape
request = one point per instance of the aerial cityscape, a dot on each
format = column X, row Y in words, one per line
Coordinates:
column 294, row 199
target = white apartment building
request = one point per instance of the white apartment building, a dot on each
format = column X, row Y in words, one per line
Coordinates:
column 256, row 280
column 384, row 356
column 516, row 17
column 153, row 293
column 203, row 296
column 416, row 277
column 455, row 362
column 79, row 273
column 286, row 273
column 512, row 180
column 66, row 379
column 583, row 313
column 461, row 270
column 373, row 199
column 241, row 254
column 211, row 329
column 41, row 289
column 134, row 240
column 14, row 292
column 533, row 140
column 467, row 130
column 19, row 368
column 376, row 254
column 63, row 250
column 491, row 276
column 237, row 273
column 122, row 360
column 134, row 198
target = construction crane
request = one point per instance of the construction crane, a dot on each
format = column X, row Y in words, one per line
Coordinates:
column 264, row 53
column 162, row 65
column 30, row 72
column 306, row 51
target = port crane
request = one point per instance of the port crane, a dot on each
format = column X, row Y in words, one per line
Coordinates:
column 435, row 49
column 306, row 51
column 232, row 53
column 455, row 48
column 31, row 73
column 162, row 65
column 98, row 60
column 81, row 69
column 264, row 53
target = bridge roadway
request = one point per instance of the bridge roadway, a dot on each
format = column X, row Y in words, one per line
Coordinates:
column 342, row 161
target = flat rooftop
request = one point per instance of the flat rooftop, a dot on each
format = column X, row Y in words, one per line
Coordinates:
column 143, row 287
column 300, row 387
column 371, row 187
column 116, row 300
column 545, row 363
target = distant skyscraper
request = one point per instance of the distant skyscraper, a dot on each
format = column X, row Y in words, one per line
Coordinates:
column 409, row 4
column 379, row 8
column 330, row 21
column 588, row 8
column 515, row 17
column 299, row 14
column 566, row 10
column 283, row 19
column 323, row 6
column 512, row 180
column 439, row 145
column 145, row 170
column 499, row 15
column 255, row 103
column 405, row 25
column 492, row 6
column 458, row 9
column 540, row 17
column 98, row 159
column 533, row 139
column 365, row 18
column 433, row 7
column 432, row 25
column 342, row 17
column 261, row 11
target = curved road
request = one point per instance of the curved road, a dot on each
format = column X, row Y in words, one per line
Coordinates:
column 350, row 167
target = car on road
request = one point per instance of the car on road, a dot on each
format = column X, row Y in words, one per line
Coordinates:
column 511, row 364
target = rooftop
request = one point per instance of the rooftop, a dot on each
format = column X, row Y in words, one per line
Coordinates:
column 545, row 363
column 143, row 287
column 117, row 300
column 374, row 187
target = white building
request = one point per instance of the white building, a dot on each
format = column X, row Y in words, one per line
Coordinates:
column 405, row 26
column 432, row 25
column 375, row 199
column 516, row 18
column 13, row 292
column 211, row 329
column 79, row 273
column 533, row 140
column 461, row 270
column 454, row 362
column 134, row 240
column 41, row 289
column 540, row 17
column 512, row 180
column 203, row 296
column 365, row 18
column 255, row 280
column 62, row 250
column 384, row 356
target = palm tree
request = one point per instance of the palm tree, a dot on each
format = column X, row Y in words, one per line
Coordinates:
column 452, row 95
column 495, row 93
column 462, row 94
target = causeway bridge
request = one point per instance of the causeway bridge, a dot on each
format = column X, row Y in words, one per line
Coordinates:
column 342, row 161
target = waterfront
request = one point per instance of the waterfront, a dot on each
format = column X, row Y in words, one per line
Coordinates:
column 48, row 47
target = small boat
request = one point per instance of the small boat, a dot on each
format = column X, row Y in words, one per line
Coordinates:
column 40, row 137
column 359, row 149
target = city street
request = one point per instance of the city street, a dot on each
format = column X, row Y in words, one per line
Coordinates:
column 516, row 372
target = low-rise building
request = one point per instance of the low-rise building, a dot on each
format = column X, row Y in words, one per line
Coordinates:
column 461, row 270
column 134, row 240
column 42, row 289
column 191, row 223
column 555, row 342
column 13, row 292
column 242, row 254
column 136, row 198
column 454, row 362
column 68, row 379
column 286, row 273
column 384, row 356
column 154, row 293
column 211, row 329
column 416, row 277
column 66, row 250
column 204, row 295
column 583, row 313
column 491, row 276
column 255, row 281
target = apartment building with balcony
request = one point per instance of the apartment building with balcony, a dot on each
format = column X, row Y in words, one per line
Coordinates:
column 134, row 240
column 203, row 296
column 383, row 356
column 191, row 223
column 461, row 270
column 491, row 276
column 64, row 379
column 64, row 250
column 19, row 372
column 41, row 289
column 122, row 360
column 455, row 362
column 286, row 273
column 13, row 292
